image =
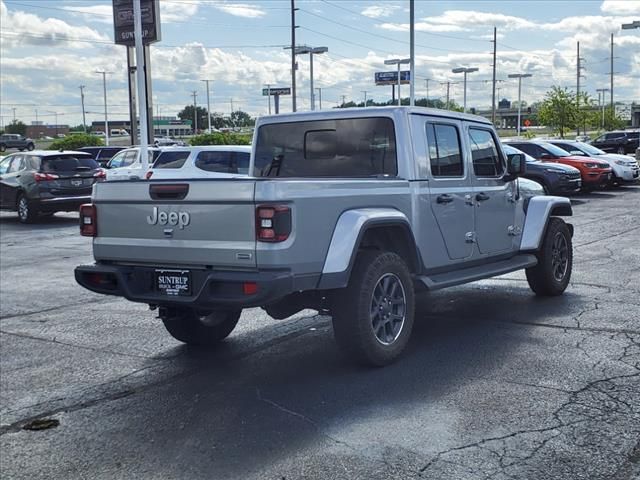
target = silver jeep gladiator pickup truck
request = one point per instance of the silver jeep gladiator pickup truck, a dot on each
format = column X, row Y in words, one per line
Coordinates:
column 349, row 212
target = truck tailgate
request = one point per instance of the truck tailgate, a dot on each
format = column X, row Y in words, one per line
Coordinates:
column 196, row 222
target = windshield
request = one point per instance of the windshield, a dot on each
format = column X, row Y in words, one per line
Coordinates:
column 509, row 150
column 590, row 149
column 555, row 151
column 68, row 163
column 171, row 159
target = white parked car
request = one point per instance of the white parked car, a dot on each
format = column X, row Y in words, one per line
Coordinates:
column 167, row 142
column 625, row 168
column 126, row 163
column 212, row 161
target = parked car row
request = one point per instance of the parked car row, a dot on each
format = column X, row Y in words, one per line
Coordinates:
column 621, row 141
column 564, row 167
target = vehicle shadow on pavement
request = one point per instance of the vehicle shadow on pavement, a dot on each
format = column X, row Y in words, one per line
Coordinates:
column 42, row 223
column 298, row 404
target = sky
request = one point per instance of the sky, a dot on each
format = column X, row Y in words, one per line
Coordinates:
column 48, row 48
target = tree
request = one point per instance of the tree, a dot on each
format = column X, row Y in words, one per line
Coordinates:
column 559, row 110
column 187, row 114
column 611, row 121
column 242, row 119
column 16, row 126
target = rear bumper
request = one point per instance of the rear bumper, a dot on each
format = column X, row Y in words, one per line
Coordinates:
column 210, row 289
column 62, row 204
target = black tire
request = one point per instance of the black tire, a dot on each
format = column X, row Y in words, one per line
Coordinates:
column 26, row 212
column 353, row 321
column 30, row 147
column 200, row 328
column 552, row 274
column 3, row 147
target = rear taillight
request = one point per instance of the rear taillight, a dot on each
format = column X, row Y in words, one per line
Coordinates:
column 100, row 174
column 88, row 220
column 43, row 177
column 273, row 223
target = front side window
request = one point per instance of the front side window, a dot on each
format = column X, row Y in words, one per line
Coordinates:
column 4, row 164
column 353, row 147
column 16, row 165
column 118, row 160
column 487, row 161
column 444, row 150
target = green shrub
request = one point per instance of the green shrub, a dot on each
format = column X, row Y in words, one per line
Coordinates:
column 219, row 138
column 75, row 141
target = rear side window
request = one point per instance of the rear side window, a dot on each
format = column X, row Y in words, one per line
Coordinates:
column 67, row 163
column 484, row 153
column 171, row 159
column 444, row 150
column 633, row 134
column 223, row 162
column 356, row 147
column 530, row 149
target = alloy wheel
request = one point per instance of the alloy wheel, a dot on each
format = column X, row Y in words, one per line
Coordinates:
column 388, row 308
column 559, row 257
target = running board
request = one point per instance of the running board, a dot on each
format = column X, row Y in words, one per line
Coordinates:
column 471, row 274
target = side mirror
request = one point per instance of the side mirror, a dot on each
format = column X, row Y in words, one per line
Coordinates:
column 516, row 166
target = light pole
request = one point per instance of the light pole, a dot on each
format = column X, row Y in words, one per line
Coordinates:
column 194, row 94
column 84, row 119
column 319, row 97
column 311, row 51
column 398, row 62
column 464, row 70
column 104, row 91
column 519, row 76
column 268, row 85
column 631, row 26
column 208, row 105
column 365, row 97
column 604, row 92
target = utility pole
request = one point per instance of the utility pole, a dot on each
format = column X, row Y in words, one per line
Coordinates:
column 320, row 96
column 194, row 94
column 611, row 87
column 293, row 54
column 427, row 82
column 365, row 97
column 343, row 101
column 84, row 120
column 519, row 76
column 208, row 105
column 14, row 114
column 231, row 116
column 493, row 90
column 36, row 116
column 104, row 91
column 578, row 75
column 269, row 96
column 448, row 84
column 412, row 66
column 602, row 91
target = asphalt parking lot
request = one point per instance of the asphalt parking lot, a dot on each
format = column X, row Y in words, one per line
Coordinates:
column 496, row 383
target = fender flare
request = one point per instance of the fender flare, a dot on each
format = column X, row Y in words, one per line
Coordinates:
column 347, row 236
column 539, row 210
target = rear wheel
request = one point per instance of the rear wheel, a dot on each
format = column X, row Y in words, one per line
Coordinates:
column 621, row 150
column 373, row 316
column 551, row 275
column 26, row 212
column 202, row 328
column 30, row 147
column 3, row 147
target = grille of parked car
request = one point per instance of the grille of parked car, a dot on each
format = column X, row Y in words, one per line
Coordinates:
column 572, row 174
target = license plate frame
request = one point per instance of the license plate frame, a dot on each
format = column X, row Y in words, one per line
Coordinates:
column 173, row 282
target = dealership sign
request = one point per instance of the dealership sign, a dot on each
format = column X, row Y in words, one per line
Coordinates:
column 276, row 91
column 391, row 78
column 123, row 21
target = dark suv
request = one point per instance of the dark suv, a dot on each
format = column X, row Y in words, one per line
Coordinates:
column 556, row 179
column 13, row 140
column 45, row 182
column 102, row 155
column 622, row 142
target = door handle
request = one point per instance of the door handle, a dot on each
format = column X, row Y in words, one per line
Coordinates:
column 481, row 197
column 444, row 198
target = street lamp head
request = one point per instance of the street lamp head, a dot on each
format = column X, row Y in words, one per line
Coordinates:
column 302, row 50
column 631, row 26
column 464, row 70
column 318, row 50
column 520, row 75
column 393, row 61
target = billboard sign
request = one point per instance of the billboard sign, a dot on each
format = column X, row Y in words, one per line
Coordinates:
column 123, row 21
column 276, row 91
column 391, row 78
column 623, row 112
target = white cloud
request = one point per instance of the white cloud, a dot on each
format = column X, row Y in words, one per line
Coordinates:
column 421, row 27
column 240, row 9
column 380, row 11
column 95, row 13
column 620, row 7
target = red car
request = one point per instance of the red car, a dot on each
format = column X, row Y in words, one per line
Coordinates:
column 594, row 173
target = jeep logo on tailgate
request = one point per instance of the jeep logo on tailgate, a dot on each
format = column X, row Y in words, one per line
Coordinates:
column 181, row 219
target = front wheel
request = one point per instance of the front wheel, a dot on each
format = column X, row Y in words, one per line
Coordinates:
column 30, row 147
column 373, row 316
column 551, row 275
column 202, row 328
column 621, row 150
